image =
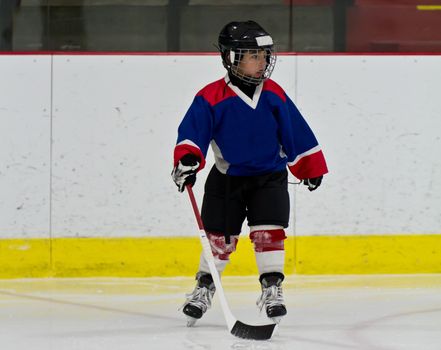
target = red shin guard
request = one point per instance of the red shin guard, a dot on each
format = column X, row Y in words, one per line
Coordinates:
column 268, row 240
column 219, row 248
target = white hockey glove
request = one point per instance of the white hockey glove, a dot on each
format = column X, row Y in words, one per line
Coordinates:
column 184, row 173
column 313, row 183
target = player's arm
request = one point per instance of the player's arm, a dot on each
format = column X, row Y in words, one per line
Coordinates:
column 305, row 157
column 194, row 135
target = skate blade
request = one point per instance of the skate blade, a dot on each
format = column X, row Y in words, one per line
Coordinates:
column 191, row 321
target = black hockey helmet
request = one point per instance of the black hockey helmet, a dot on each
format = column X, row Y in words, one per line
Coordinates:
column 236, row 38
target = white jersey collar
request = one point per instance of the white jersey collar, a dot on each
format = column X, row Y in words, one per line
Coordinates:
column 250, row 102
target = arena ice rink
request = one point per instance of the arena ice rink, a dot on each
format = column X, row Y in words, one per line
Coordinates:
column 382, row 312
column 78, row 188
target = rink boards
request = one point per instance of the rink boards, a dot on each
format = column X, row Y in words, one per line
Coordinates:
column 86, row 150
column 179, row 256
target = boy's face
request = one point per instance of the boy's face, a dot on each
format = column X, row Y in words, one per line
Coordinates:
column 253, row 63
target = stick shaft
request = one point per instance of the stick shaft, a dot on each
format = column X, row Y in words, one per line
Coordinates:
column 229, row 318
column 195, row 208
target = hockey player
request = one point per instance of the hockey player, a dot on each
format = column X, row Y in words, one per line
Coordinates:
column 255, row 132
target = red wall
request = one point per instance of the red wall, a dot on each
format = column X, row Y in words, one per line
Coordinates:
column 393, row 25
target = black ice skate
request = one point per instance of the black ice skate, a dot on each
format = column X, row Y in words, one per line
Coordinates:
column 199, row 300
column 272, row 296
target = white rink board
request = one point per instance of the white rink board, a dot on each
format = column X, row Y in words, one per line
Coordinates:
column 114, row 127
column 379, row 120
column 113, row 143
column 24, row 145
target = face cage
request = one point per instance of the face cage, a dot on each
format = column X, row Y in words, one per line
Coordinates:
column 271, row 58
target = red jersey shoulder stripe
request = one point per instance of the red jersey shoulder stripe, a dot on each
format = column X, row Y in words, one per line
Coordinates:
column 271, row 85
column 216, row 92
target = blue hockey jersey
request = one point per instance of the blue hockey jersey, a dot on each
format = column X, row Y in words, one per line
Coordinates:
column 249, row 136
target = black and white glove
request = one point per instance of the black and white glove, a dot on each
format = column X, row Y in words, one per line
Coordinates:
column 313, row 183
column 184, row 173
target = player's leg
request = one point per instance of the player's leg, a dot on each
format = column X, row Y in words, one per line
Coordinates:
column 270, row 258
column 268, row 216
column 214, row 218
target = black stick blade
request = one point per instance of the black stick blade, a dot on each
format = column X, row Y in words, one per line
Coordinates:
column 246, row 331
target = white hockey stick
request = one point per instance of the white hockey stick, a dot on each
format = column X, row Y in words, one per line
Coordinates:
column 237, row 328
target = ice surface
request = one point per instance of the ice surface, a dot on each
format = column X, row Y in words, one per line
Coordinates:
column 324, row 312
